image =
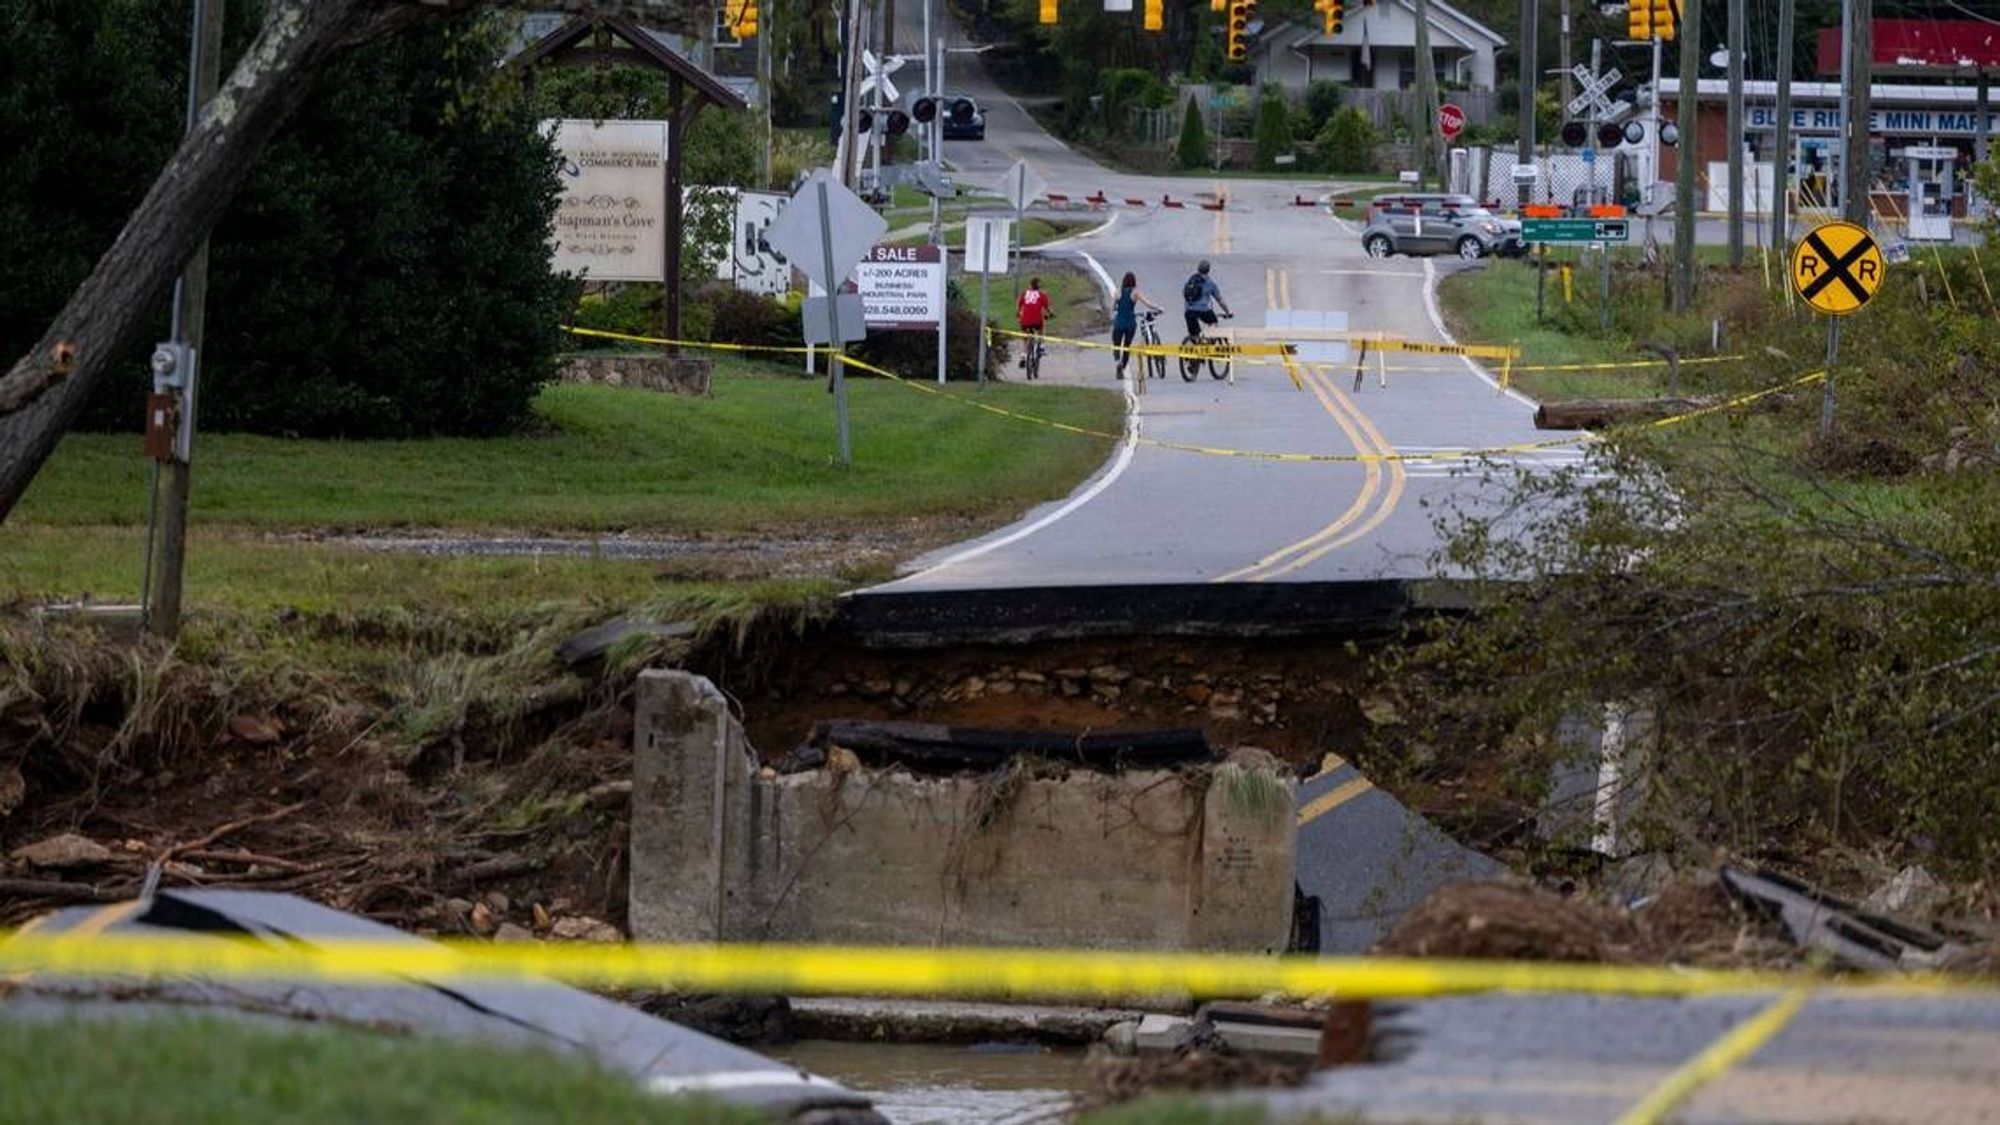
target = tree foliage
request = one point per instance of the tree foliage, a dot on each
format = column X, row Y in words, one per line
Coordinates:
column 384, row 271
column 1813, row 624
column 1192, row 152
column 1273, row 134
column 1346, row 143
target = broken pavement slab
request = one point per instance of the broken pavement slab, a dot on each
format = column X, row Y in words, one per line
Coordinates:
column 660, row 1056
column 944, row 1021
column 1835, row 926
column 1369, row 859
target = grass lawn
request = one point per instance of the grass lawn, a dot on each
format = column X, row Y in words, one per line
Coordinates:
column 230, row 1072
column 757, row 454
column 1075, row 297
column 1496, row 304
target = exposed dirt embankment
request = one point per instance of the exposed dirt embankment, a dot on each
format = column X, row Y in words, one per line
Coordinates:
column 454, row 776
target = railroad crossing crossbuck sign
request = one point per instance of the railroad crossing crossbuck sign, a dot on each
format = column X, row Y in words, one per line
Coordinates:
column 1837, row 268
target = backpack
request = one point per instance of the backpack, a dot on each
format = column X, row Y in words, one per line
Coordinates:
column 1195, row 289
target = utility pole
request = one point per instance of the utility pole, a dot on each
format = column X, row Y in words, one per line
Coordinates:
column 850, row 84
column 1524, row 145
column 1735, row 127
column 1782, row 159
column 1684, row 152
column 1563, row 46
column 1427, row 99
column 166, row 547
column 1861, row 53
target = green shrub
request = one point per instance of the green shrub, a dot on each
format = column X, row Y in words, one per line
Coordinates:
column 1273, row 131
column 1323, row 97
column 1192, row 152
column 913, row 355
column 1347, row 143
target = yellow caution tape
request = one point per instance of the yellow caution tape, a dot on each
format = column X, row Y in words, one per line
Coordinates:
column 894, row 971
column 1213, row 450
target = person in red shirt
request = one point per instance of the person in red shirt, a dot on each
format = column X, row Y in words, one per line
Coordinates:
column 1033, row 309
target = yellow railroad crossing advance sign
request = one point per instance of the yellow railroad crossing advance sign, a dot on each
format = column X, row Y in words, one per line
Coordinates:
column 1837, row 267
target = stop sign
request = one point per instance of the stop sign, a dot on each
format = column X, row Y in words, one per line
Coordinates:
column 1451, row 120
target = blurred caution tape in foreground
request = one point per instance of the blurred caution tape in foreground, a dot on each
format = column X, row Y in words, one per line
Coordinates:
column 886, row 971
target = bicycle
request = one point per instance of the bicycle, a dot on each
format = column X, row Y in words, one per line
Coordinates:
column 1149, row 338
column 1215, row 352
column 1031, row 354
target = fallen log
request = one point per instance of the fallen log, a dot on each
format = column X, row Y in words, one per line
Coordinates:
column 1596, row 414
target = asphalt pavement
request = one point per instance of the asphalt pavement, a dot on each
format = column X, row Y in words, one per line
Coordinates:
column 1158, row 515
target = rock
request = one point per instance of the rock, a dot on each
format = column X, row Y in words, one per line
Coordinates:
column 1109, row 674
column 1072, row 688
column 1256, row 758
column 508, row 931
column 610, row 794
column 1004, row 687
column 839, row 759
column 1030, row 678
column 1224, row 714
column 1158, row 1032
column 579, row 928
column 974, row 687
column 905, row 686
column 747, row 1021
column 257, row 730
column 1109, row 693
column 458, row 908
column 1122, row 1038
column 498, row 901
column 1380, row 711
column 1912, row 891
column 64, row 852
column 766, row 773
column 1069, row 673
column 1197, row 694
column 876, row 689
column 481, row 920
column 541, row 916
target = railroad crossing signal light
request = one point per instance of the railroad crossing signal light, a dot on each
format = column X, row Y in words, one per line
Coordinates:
column 744, row 25
column 1575, row 133
column 1048, row 11
column 1239, row 30
column 1155, row 15
column 925, row 110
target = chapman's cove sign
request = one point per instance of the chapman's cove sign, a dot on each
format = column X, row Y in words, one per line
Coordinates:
column 611, row 223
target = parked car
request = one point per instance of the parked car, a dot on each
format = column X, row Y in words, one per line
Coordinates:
column 963, row 119
column 1420, row 223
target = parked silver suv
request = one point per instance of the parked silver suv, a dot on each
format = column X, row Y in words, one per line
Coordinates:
column 1436, row 223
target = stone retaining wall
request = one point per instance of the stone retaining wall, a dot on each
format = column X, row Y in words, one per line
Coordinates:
column 669, row 374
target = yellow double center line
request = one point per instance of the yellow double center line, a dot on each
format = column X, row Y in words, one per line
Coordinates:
column 1382, row 481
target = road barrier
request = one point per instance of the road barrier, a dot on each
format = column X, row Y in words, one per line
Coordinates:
column 901, row 970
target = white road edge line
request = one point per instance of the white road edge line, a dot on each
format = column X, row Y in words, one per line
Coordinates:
column 1437, row 322
column 1093, row 232
column 1118, row 466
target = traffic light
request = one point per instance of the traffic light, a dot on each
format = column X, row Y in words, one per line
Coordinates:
column 1651, row 19
column 1155, row 15
column 1218, row 5
column 1048, row 11
column 744, row 23
column 1238, row 45
column 1332, row 13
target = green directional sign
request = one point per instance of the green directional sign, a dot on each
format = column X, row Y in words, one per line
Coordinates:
column 1576, row 230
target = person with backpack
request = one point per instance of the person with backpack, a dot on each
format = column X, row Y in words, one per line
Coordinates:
column 1125, row 319
column 1201, row 296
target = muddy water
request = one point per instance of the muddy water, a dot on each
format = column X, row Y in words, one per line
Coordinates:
column 925, row 1084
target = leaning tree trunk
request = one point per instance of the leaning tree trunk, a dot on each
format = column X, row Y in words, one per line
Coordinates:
column 108, row 314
